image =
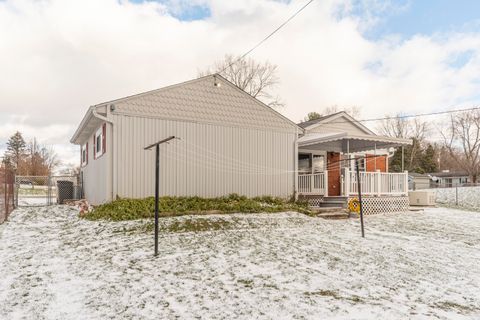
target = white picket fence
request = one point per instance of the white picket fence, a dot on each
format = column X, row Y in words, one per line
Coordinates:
column 315, row 183
column 375, row 183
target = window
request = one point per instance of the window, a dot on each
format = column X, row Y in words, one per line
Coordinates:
column 84, row 154
column 304, row 163
column 318, row 163
column 361, row 163
column 99, row 142
column 310, row 163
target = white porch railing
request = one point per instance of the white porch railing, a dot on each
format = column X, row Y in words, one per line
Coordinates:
column 315, row 183
column 375, row 183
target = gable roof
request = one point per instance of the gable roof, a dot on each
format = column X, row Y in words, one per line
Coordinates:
column 199, row 100
column 308, row 123
column 312, row 124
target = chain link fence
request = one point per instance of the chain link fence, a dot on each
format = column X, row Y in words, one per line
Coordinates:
column 46, row 190
column 6, row 193
column 465, row 196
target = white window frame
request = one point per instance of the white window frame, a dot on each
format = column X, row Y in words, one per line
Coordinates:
column 313, row 153
column 99, row 133
column 84, row 154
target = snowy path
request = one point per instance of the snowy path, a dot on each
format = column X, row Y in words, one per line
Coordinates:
column 283, row 266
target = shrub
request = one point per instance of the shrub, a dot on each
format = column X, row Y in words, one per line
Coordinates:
column 131, row 209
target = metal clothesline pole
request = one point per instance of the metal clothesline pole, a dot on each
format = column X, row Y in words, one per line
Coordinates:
column 157, row 184
column 359, row 187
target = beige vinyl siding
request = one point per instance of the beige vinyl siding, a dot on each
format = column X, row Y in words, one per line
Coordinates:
column 97, row 173
column 210, row 160
column 200, row 101
column 338, row 125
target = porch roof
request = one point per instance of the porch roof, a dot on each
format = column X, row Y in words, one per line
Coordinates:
column 344, row 142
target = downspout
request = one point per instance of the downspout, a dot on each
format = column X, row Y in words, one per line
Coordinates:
column 113, row 163
column 295, row 166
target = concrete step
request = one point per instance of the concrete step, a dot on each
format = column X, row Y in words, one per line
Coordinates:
column 333, row 204
column 327, row 209
column 334, row 215
column 335, row 198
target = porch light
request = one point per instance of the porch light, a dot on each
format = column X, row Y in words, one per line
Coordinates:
column 215, row 81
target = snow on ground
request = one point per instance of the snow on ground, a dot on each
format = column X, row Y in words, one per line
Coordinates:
column 418, row 265
column 468, row 197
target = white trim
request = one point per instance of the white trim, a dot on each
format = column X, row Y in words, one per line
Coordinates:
column 92, row 110
column 84, row 154
column 99, row 133
column 339, row 115
column 316, row 138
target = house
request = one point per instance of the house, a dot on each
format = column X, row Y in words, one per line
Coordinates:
column 448, row 179
column 229, row 142
column 328, row 149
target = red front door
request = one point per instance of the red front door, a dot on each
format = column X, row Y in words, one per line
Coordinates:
column 333, row 169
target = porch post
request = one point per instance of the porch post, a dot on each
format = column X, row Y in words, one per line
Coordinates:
column 295, row 166
column 326, row 183
column 405, row 183
column 403, row 158
column 347, row 182
column 348, row 153
column 379, row 181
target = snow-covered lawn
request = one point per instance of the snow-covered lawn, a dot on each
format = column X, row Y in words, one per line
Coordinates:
column 418, row 265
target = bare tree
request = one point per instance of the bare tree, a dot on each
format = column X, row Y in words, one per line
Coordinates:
column 40, row 160
column 257, row 79
column 462, row 140
column 399, row 127
column 402, row 127
column 354, row 111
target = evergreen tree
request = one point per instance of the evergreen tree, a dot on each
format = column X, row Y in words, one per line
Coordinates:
column 312, row 116
column 428, row 161
column 16, row 150
column 417, row 158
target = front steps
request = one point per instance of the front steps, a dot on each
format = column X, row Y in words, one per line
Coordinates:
column 328, row 207
column 331, row 213
column 334, row 202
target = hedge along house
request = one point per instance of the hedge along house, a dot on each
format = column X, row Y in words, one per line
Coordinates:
column 328, row 149
column 229, row 142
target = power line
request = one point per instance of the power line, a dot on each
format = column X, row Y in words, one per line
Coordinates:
column 409, row 115
column 267, row 37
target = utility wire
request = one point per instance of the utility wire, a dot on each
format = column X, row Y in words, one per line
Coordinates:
column 266, row 38
column 408, row 115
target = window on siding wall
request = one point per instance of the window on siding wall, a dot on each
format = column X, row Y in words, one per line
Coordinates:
column 84, row 154
column 99, row 139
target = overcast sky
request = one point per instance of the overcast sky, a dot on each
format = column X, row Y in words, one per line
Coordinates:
column 58, row 57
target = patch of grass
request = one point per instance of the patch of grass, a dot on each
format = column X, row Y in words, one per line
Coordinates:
column 448, row 305
column 334, row 295
column 132, row 209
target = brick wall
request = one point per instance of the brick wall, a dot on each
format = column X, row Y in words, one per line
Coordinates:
column 381, row 163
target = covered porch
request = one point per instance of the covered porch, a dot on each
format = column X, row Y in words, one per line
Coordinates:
column 326, row 165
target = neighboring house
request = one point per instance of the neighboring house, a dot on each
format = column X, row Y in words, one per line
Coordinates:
column 229, row 142
column 448, row 179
